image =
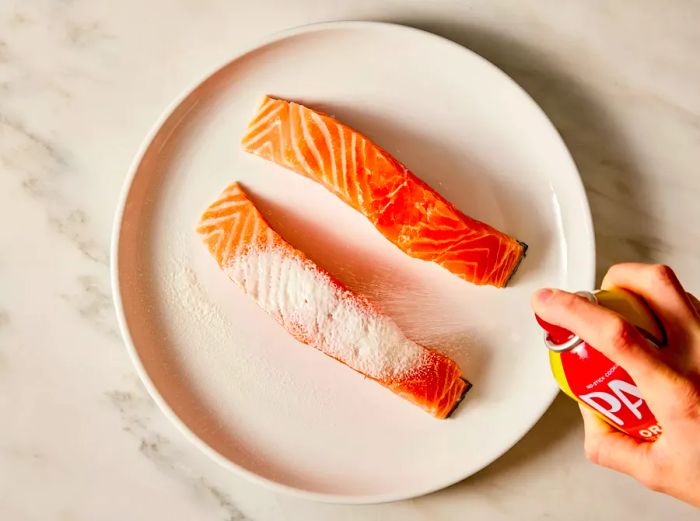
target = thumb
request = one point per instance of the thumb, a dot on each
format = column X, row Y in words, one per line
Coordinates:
column 606, row 446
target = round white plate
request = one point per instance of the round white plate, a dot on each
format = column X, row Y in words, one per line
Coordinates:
column 280, row 412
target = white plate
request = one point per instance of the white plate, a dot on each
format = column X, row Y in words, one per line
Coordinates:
column 282, row 413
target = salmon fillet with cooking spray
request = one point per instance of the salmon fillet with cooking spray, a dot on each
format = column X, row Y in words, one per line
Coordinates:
column 403, row 208
column 320, row 311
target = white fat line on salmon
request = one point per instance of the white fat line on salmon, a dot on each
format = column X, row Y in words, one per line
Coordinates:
column 329, row 145
column 304, row 118
column 295, row 142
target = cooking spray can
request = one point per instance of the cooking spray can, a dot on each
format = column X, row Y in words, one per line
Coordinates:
column 590, row 378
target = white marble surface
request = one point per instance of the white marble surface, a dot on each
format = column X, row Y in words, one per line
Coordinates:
column 80, row 84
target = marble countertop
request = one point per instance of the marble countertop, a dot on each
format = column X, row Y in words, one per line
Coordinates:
column 81, row 82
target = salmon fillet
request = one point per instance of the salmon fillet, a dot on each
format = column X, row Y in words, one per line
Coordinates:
column 403, row 208
column 320, row 311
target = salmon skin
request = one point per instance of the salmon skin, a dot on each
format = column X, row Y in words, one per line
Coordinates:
column 403, row 208
column 320, row 311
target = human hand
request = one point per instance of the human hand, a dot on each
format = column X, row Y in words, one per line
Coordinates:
column 668, row 378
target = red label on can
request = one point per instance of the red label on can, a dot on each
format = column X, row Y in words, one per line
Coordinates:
column 608, row 389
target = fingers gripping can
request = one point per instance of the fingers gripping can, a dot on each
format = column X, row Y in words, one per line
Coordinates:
column 590, row 378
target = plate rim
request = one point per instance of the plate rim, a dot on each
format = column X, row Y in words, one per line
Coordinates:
column 586, row 221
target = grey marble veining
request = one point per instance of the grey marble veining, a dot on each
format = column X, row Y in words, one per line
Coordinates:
column 80, row 85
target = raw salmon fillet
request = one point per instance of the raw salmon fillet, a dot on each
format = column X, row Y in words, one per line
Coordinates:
column 402, row 207
column 319, row 311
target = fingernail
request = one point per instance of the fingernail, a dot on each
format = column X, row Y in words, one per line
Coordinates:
column 543, row 295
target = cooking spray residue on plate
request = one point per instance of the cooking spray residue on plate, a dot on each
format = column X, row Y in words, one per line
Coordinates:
column 227, row 349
